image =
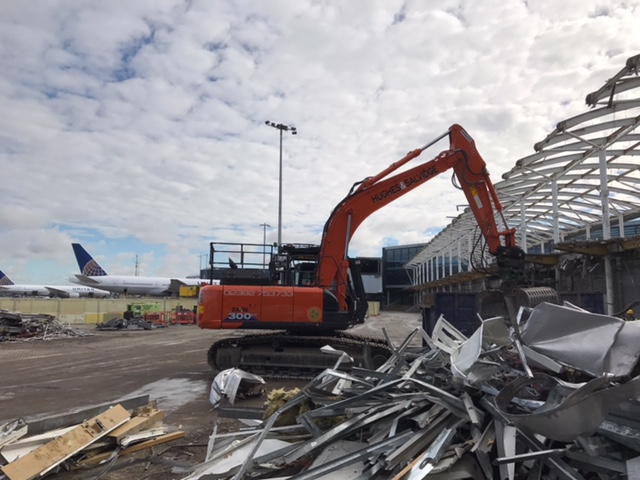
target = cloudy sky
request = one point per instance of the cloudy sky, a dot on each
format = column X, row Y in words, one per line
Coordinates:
column 138, row 128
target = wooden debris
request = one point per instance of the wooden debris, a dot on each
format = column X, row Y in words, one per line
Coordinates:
column 96, row 459
column 113, row 430
column 42, row 424
column 137, row 423
column 20, row 448
column 46, row 457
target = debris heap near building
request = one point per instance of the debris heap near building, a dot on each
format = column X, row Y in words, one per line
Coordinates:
column 19, row 326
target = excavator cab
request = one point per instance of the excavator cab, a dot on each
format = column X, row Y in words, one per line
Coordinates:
column 294, row 265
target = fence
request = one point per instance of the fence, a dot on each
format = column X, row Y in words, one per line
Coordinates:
column 88, row 310
column 171, row 311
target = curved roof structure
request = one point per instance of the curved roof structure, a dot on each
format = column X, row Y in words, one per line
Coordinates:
column 583, row 174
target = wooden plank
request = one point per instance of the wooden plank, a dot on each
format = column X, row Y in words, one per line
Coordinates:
column 20, row 448
column 136, row 424
column 52, row 453
column 140, row 446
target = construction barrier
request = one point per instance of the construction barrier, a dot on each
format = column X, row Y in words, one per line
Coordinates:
column 182, row 317
column 157, row 319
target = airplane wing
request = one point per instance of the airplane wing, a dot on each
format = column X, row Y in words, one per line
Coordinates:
column 86, row 280
column 57, row 292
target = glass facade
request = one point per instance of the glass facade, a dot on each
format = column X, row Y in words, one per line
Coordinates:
column 396, row 282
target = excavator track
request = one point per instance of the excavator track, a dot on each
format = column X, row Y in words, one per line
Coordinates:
column 281, row 355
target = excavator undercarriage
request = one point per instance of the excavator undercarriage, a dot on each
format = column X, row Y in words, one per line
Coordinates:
column 280, row 355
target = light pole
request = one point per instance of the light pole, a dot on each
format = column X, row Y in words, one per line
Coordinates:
column 264, row 242
column 283, row 128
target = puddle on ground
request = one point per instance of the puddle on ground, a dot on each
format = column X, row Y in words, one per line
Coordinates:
column 172, row 393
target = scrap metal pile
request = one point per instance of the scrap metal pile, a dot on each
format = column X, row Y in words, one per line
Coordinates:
column 552, row 396
column 15, row 325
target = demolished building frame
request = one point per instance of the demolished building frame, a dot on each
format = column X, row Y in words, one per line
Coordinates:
column 575, row 194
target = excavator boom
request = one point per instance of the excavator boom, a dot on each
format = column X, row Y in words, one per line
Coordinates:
column 373, row 193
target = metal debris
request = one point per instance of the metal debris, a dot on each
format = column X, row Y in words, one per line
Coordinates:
column 234, row 382
column 589, row 342
column 12, row 431
column 554, row 397
column 19, row 326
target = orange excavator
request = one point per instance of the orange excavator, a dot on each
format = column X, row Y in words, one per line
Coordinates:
column 315, row 293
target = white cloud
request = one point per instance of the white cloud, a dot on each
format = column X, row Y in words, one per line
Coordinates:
column 146, row 120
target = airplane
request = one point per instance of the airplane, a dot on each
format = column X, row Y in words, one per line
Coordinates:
column 92, row 274
column 63, row 291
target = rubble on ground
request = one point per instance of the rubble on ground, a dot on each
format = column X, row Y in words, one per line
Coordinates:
column 552, row 396
column 136, row 323
column 20, row 326
column 85, row 439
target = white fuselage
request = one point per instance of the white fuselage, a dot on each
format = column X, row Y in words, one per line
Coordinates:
column 132, row 285
column 63, row 291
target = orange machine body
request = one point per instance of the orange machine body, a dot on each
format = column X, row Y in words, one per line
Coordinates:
column 242, row 306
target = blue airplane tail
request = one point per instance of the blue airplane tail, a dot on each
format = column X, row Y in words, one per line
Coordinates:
column 88, row 266
column 4, row 280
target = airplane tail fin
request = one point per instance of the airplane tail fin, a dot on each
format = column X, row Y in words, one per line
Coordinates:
column 88, row 266
column 4, row 280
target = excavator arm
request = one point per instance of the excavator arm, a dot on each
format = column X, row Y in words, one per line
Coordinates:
column 375, row 192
